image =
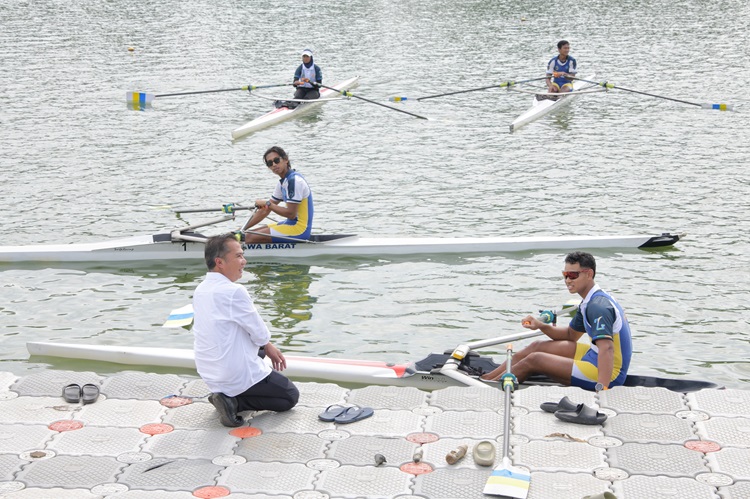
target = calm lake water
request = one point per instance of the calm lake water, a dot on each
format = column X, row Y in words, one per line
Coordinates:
column 78, row 166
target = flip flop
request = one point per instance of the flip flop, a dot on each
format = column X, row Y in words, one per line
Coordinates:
column 352, row 414
column 72, row 393
column 484, row 453
column 582, row 415
column 564, row 405
column 331, row 412
column 89, row 393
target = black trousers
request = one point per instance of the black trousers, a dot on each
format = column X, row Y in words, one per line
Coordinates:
column 306, row 93
column 274, row 393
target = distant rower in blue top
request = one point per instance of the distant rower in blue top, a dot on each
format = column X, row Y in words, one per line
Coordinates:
column 307, row 73
column 561, row 69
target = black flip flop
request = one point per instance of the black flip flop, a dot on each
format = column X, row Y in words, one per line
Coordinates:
column 352, row 414
column 332, row 412
column 89, row 393
column 582, row 415
column 564, row 405
column 72, row 393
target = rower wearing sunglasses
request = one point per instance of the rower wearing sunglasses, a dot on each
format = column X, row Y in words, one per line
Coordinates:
column 294, row 191
column 597, row 366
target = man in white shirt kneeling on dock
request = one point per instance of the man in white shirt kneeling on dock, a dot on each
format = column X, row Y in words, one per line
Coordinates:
column 229, row 333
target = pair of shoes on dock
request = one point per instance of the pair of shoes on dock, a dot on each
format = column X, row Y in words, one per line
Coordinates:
column 568, row 411
column 73, row 393
column 344, row 415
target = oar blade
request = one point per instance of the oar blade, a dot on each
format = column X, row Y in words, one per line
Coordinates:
column 397, row 98
column 139, row 99
column 180, row 317
column 508, row 481
column 718, row 107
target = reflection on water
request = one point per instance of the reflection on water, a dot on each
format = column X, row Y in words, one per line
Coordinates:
column 284, row 293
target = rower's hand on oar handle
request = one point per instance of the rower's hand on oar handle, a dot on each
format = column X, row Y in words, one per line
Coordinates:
column 263, row 204
column 531, row 322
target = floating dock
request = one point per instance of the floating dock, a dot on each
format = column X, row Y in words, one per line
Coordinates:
column 138, row 441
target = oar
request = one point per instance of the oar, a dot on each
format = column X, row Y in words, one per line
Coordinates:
column 180, row 317
column 605, row 84
column 144, row 99
column 507, row 480
column 346, row 93
column 504, row 84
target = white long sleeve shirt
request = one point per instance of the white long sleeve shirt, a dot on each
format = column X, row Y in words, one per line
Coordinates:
column 228, row 332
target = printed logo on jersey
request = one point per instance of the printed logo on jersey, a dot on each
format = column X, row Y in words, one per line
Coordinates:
column 599, row 327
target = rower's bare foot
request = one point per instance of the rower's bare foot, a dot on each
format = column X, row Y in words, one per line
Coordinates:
column 488, row 377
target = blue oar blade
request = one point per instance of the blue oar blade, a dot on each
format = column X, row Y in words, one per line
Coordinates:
column 180, row 317
column 398, row 99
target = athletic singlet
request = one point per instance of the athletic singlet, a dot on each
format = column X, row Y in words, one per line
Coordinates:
column 555, row 66
column 308, row 73
column 294, row 189
column 600, row 316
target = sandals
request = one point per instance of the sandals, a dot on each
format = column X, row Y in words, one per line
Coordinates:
column 583, row 414
column 73, row 393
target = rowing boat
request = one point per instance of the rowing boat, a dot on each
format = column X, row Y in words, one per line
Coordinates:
column 283, row 113
column 426, row 374
column 542, row 107
column 190, row 246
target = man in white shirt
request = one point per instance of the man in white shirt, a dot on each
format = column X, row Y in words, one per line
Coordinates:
column 228, row 334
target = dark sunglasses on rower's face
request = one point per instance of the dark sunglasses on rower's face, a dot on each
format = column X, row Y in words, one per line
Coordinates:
column 274, row 161
column 573, row 274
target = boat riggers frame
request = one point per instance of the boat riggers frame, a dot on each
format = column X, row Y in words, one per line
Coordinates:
column 452, row 367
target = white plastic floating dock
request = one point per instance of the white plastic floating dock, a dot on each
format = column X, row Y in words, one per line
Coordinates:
column 134, row 443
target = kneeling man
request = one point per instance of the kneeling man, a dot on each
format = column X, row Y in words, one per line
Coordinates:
column 228, row 334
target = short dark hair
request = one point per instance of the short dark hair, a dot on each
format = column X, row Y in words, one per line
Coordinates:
column 562, row 43
column 277, row 150
column 216, row 247
column 585, row 260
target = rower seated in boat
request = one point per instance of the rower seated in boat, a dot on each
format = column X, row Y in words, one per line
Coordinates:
column 561, row 69
column 597, row 366
column 294, row 191
column 305, row 76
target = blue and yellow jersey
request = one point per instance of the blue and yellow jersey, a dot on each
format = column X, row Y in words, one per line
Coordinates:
column 601, row 317
column 570, row 66
column 294, row 189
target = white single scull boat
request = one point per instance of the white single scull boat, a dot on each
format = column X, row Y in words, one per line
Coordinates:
column 543, row 107
column 189, row 246
column 283, row 113
column 427, row 374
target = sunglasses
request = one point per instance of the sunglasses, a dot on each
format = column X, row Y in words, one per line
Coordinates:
column 573, row 274
column 274, row 161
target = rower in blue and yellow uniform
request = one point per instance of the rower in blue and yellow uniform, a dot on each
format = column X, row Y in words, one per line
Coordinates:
column 597, row 365
column 561, row 69
column 293, row 190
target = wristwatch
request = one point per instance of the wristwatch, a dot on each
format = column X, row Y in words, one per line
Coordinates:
column 268, row 203
column 599, row 387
